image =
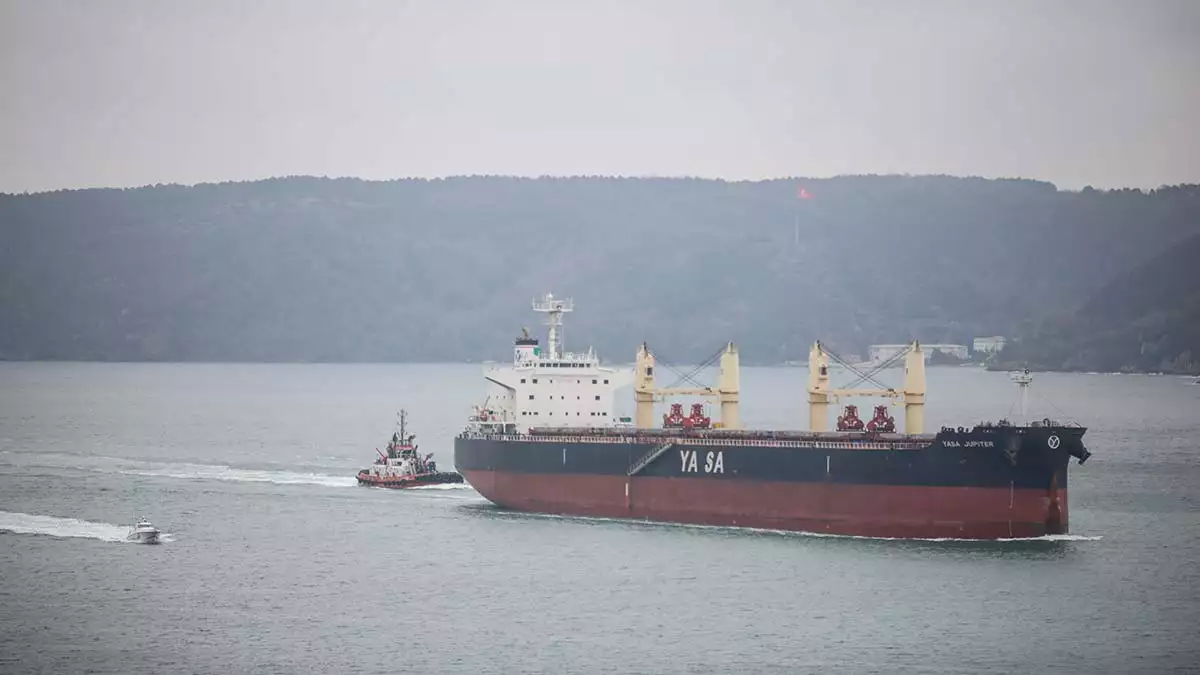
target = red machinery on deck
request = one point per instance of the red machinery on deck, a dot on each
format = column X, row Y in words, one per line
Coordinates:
column 676, row 419
column 850, row 421
column 882, row 421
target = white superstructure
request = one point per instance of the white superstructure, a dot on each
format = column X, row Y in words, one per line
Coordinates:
column 554, row 387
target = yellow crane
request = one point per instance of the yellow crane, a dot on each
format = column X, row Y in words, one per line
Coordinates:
column 646, row 392
column 912, row 394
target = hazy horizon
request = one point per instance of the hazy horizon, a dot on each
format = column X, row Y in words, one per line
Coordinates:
column 107, row 94
column 1060, row 188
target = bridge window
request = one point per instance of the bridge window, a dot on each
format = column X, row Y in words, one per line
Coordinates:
column 593, row 382
column 597, row 397
column 606, row 382
column 535, row 380
column 531, row 397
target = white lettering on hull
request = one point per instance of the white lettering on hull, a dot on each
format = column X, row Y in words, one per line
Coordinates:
column 714, row 462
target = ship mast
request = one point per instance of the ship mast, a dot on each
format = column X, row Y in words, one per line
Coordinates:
column 402, row 436
column 1023, row 380
column 554, row 308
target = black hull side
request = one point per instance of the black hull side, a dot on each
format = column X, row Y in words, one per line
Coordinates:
column 1017, row 457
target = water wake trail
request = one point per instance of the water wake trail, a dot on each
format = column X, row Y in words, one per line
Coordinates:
column 65, row 528
column 177, row 470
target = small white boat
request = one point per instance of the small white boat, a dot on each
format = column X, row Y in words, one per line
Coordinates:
column 143, row 532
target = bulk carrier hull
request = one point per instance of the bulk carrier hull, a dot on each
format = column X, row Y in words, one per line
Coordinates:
column 547, row 440
column 983, row 483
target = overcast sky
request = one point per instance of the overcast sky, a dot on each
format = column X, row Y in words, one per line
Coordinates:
column 128, row 93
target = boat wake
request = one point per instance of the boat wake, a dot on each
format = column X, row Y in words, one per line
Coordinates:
column 177, row 470
column 444, row 486
column 66, row 528
column 493, row 511
column 230, row 474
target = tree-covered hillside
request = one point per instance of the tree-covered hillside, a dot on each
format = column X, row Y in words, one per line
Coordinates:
column 1146, row 320
column 310, row 269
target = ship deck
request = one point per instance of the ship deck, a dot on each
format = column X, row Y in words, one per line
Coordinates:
column 716, row 438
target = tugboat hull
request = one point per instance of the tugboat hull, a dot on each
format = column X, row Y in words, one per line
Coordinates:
column 410, row 481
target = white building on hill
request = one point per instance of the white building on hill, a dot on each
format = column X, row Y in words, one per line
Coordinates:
column 989, row 345
column 880, row 353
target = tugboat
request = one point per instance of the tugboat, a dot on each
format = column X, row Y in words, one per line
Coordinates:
column 402, row 466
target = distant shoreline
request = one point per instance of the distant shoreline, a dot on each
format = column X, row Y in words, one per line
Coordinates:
column 1082, row 371
column 788, row 365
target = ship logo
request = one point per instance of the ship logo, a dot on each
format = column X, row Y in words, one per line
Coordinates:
column 1053, row 442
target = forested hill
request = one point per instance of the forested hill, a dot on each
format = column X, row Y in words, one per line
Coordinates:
column 309, row 269
column 1146, row 320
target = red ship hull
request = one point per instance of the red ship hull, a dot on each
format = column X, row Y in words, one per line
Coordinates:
column 917, row 512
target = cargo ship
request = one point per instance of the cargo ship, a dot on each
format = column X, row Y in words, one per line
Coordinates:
column 546, row 440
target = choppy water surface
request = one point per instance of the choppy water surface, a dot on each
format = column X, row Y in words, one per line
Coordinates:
column 275, row 561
